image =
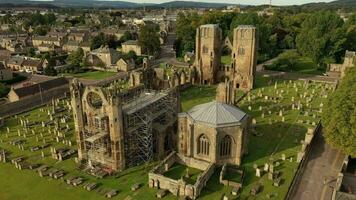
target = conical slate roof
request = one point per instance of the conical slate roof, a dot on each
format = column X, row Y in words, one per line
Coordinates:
column 216, row 114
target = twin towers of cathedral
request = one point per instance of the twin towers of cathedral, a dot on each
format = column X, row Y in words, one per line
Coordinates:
column 209, row 46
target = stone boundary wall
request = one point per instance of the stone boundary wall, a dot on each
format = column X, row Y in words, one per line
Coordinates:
column 193, row 162
column 203, row 179
column 226, row 182
column 179, row 187
column 303, row 163
column 29, row 103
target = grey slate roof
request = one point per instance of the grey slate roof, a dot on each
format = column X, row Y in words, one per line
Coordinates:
column 216, row 114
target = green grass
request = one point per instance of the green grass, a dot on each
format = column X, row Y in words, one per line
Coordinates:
column 279, row 137
column 226, row 60
column 196, row 95
column 177, row 171
column 92, row 75
column 234, row 176
column 307, row 66
column 276, row 139
column 302, row 65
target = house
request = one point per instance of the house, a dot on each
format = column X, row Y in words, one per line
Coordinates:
column 5, row 73
column 131, row 45
column 5, row 55
column 32, row 66
column 73, row 45
column 25, row 64
column 20, row 93
column 40, row 40
column 79, row 36
column 48, row 48
column 125, row 65
column 113, row 31
column 107, row 56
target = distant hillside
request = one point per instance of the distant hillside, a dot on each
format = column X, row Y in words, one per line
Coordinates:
column 115, row 4
column 334, row 4
column 191, row 4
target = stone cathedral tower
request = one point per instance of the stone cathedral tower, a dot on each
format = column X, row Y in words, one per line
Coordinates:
column 244, row 57
column 208, row 56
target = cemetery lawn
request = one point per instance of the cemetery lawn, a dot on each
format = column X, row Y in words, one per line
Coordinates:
column 176, row 171
column 273, row 137
column 92, row 75
column 270, row 141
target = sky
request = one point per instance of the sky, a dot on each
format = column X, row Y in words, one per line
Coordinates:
column 248, row 2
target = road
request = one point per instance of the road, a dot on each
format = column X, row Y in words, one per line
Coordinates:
column 323, row 164
column 168, row 55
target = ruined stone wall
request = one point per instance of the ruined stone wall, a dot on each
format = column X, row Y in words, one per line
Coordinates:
column 208, row 52
column 33, row 101
column 179, row 187
column 192, row 162
column 244, row 57
column 203, row 179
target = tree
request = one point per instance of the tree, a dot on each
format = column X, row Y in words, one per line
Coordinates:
column 102, row 39
column 339, row 118
column 31, row 52
column 50, row 70
column 149, row 39
column 4, row 90
column 75, row 60
column 97, row 41
column 286, row 61
column 322, row 36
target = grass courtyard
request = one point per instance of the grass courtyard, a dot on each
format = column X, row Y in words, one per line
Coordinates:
column 273, row 137
column 178, row 171
column 92, row 75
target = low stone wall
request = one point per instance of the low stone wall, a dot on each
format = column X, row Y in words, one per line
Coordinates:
column 202, row 180
column 34, row 101
column 193, row 162
column 226, row 182
column 180, row 187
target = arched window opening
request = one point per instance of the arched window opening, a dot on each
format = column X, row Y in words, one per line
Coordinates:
column 203, row 145
column 225, row 146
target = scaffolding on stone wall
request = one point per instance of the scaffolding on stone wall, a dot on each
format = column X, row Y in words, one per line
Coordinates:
column 140, row 115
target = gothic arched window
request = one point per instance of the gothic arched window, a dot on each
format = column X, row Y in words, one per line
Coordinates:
column 225, row 146
column 203, row 145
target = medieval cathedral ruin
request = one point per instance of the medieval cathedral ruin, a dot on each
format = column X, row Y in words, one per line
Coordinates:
column 119, row 128
column 244, row 56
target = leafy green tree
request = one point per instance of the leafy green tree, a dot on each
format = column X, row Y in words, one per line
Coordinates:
column 351, row 38
column 149, row 39
column 127, row 36
column 75, row 60
column 322, row 36
column 339, row 118
column 102, row 39
column 97, row 41
column 31, row 52
column 50, row 71
column 266, row 38
column 286, row 61
column 3, row 90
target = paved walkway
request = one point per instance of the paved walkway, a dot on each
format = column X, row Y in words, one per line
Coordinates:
column 323, row 164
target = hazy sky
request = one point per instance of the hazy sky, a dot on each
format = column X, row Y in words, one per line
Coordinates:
column 249, row 2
